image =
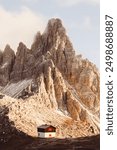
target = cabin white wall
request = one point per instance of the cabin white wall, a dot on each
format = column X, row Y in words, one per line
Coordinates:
column 46, row 135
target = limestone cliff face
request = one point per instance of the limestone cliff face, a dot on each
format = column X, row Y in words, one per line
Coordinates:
column 53, row 75
column 1, row 56
column 23, row 64
column 6, row 64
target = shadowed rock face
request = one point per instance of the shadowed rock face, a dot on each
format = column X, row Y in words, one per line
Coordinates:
column 52, row 76
column 1, row 56
column 6, row 64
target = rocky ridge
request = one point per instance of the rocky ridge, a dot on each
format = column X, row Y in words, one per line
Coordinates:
column 51, row 79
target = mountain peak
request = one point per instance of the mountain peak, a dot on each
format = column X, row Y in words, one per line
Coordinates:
column 50, row 76
column 8, row 54
column 55, row 36
column 55, row 27
column 21, row 46
column 37, row 42
column 7, row 47
column 55, row 22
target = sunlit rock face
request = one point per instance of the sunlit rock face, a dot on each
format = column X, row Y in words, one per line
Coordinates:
column 51, row 76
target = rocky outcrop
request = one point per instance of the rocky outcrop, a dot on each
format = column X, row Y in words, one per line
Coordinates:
column 56, row 41
column 7, row 60
column 1, row 55
column 52, row 76
column 23, row 64
column 37, row 45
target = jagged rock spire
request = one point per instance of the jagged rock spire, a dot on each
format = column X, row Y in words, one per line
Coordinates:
column 7, row 61
column 37, row 42
column 1, row 55
column 55, row 36
column 8, row 55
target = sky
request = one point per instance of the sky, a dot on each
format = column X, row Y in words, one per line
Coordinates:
column 20, row 20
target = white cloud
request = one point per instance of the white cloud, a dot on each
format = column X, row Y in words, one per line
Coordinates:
column 19, row 26
column 69, row 3
column 87, row 24
column 29, row 0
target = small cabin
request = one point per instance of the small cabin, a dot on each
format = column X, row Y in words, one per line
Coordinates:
column 46, row 131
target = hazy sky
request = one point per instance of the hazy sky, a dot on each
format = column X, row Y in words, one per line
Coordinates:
column 21, row 19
